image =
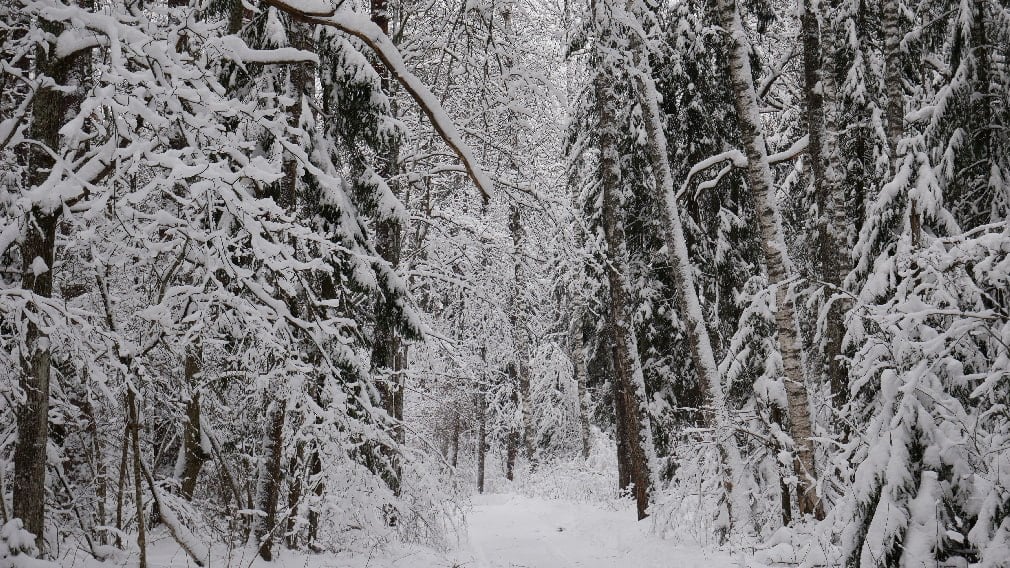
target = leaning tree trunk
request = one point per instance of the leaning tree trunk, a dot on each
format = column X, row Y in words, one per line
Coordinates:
column 759, row 178
column 630, row 396
column 683, row 275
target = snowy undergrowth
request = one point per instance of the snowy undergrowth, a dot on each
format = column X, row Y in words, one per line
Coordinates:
column 572, row 478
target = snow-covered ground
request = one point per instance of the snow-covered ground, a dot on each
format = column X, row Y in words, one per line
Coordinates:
column 511, row 531
column 504, row 531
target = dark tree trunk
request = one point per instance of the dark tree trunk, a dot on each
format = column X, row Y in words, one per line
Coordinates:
column 138, row 487
column 192, row 438
column 632, row 422
column 481, row 405
column 388, row 348
column 521, row 336
column 455, row 439
column 270, row 483
column 49, row 109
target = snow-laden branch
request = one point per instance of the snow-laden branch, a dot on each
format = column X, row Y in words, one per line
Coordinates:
column 364, row 29
column 737, row 159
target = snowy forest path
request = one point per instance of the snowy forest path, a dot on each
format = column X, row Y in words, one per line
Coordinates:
column 512, row 531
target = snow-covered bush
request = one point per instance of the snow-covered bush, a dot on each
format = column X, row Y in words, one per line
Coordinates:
column 17, row 547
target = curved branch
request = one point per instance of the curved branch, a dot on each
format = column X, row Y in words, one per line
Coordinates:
column 365, row 30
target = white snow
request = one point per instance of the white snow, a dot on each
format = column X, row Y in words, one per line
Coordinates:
column 512, row 530
column 504, row 531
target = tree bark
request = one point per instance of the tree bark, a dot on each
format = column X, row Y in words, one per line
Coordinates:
column 138, row 487
column 481, row 405
column 581, row 371
column 520, row 330
column 512, row 439
column 759, row 178
column 628, row 378
column 829, row 195
column 455, row 439
column 896, row 104
column 270, row 478
column 38, row 252
column 195, row 454
column 388, row 348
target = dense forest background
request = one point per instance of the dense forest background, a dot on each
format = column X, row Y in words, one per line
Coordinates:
column 302, row 274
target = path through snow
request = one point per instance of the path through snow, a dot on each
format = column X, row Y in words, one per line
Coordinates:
column 510, row 531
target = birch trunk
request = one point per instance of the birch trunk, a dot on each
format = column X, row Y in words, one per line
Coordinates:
column 759, row 178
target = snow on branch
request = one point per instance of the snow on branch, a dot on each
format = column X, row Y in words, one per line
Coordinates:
column 235, row 48
column 314, row 12
column 737, row 159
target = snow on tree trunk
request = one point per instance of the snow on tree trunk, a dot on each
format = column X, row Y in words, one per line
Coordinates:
column 825, row 166
column 893, row 83
column 759, row 178
column 520, row 331
column 630, row 396
column 581, row 372
column 194, row 444
column 38, row 255
column 683, row 274
column 269, row 488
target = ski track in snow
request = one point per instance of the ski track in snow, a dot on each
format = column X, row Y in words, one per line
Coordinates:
column 510, row 531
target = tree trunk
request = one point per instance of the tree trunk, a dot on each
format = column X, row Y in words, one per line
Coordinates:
column 315, row 470
column 38, row 251
column 270, row 478
column 578, row 354
column 121, row 491
column 138, row 487
column 520, row 330
column 512, row 439
column 628, row 378
column 825, row 165
column 511, row 452
column 194, row 452
column 896, row 104
column 759, row 178
column 624, row 482
column 388, row 347
column 481, row 405
column 455, row 439
column 97, row 458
